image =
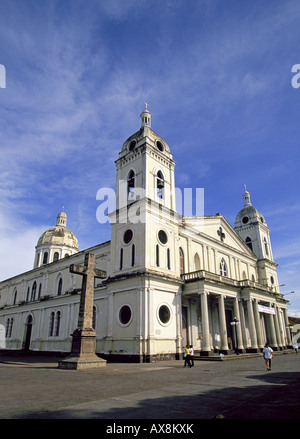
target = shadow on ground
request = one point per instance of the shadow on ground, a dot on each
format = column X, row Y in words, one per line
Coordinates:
column 278, row 398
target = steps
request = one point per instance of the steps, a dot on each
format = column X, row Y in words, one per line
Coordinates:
column 233, row 356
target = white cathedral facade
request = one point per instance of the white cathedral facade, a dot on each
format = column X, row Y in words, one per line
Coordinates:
column 171, row 280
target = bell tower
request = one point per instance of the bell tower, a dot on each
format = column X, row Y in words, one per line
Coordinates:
column 145, row 195
column 252, row 227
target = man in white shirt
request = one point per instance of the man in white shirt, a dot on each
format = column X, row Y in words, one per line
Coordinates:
column 268, row 355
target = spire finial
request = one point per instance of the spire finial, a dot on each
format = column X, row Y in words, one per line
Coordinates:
column 146, row 116
column 246, row 197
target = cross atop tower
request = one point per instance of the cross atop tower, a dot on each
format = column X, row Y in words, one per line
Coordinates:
column 146, row 116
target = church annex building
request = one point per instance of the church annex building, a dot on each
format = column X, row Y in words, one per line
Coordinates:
column 171, row 280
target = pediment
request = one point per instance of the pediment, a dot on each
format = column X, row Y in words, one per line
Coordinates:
column 217, row 230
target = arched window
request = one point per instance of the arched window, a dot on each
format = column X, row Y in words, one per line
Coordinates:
column 132, row 255
column 55, row 256
column 51, row 323
column 57, row 323
column 223, row 268
column 168, row 259
column 59, row 288
column 181, row 260
column 8, row 328
column 160, row 185
column 121, row 259
column 249, row 242
column 157, row 255
column 33, row 291
column 27, row 295
column 54, row 324
column 130, row 185
column 40, row 291
column 15, row 297
column 197, row 262
column 45, row 258
column 266, row 247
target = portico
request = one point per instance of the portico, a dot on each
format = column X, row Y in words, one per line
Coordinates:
column 220, row 302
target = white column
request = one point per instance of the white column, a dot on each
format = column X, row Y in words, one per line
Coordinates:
column 277, row 329
column 110, row 315
column 205, row 322
column 150, row 313
column 273, row 340
column 238, row 327
column 178, row 323
column 208, row 258
column 222, row 320
column 287, row 331
column 243, row 323
column 251, row 324
column 257, row 324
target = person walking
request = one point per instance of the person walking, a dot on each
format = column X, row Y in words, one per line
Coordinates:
column 186, row 356
column 268, row 355
column 191, row 355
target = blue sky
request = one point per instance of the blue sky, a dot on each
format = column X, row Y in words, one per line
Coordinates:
column 217, row 77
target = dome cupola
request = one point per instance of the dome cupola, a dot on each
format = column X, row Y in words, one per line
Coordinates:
column 251, row 226
column 55, row 243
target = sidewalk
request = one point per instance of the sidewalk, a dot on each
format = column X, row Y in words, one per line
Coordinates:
column 34, row 388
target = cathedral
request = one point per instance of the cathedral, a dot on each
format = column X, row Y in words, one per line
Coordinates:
column 171, row 280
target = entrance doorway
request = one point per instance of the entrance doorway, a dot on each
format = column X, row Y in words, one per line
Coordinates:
column 27, row 333
column 230, row 334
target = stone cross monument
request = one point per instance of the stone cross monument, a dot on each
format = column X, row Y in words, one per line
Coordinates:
column 84, row 337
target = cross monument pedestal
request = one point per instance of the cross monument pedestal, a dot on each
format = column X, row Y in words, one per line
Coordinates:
column 83, row 354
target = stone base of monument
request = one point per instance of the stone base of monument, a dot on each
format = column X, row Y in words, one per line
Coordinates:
column 83, row 352
column 81, row 362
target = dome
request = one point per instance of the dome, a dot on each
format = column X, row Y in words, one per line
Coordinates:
column 145, row 131
column 248, row 215
column 59, row 234
column 55, row 243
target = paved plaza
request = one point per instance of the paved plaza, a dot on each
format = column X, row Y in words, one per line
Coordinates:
column 32, row 387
